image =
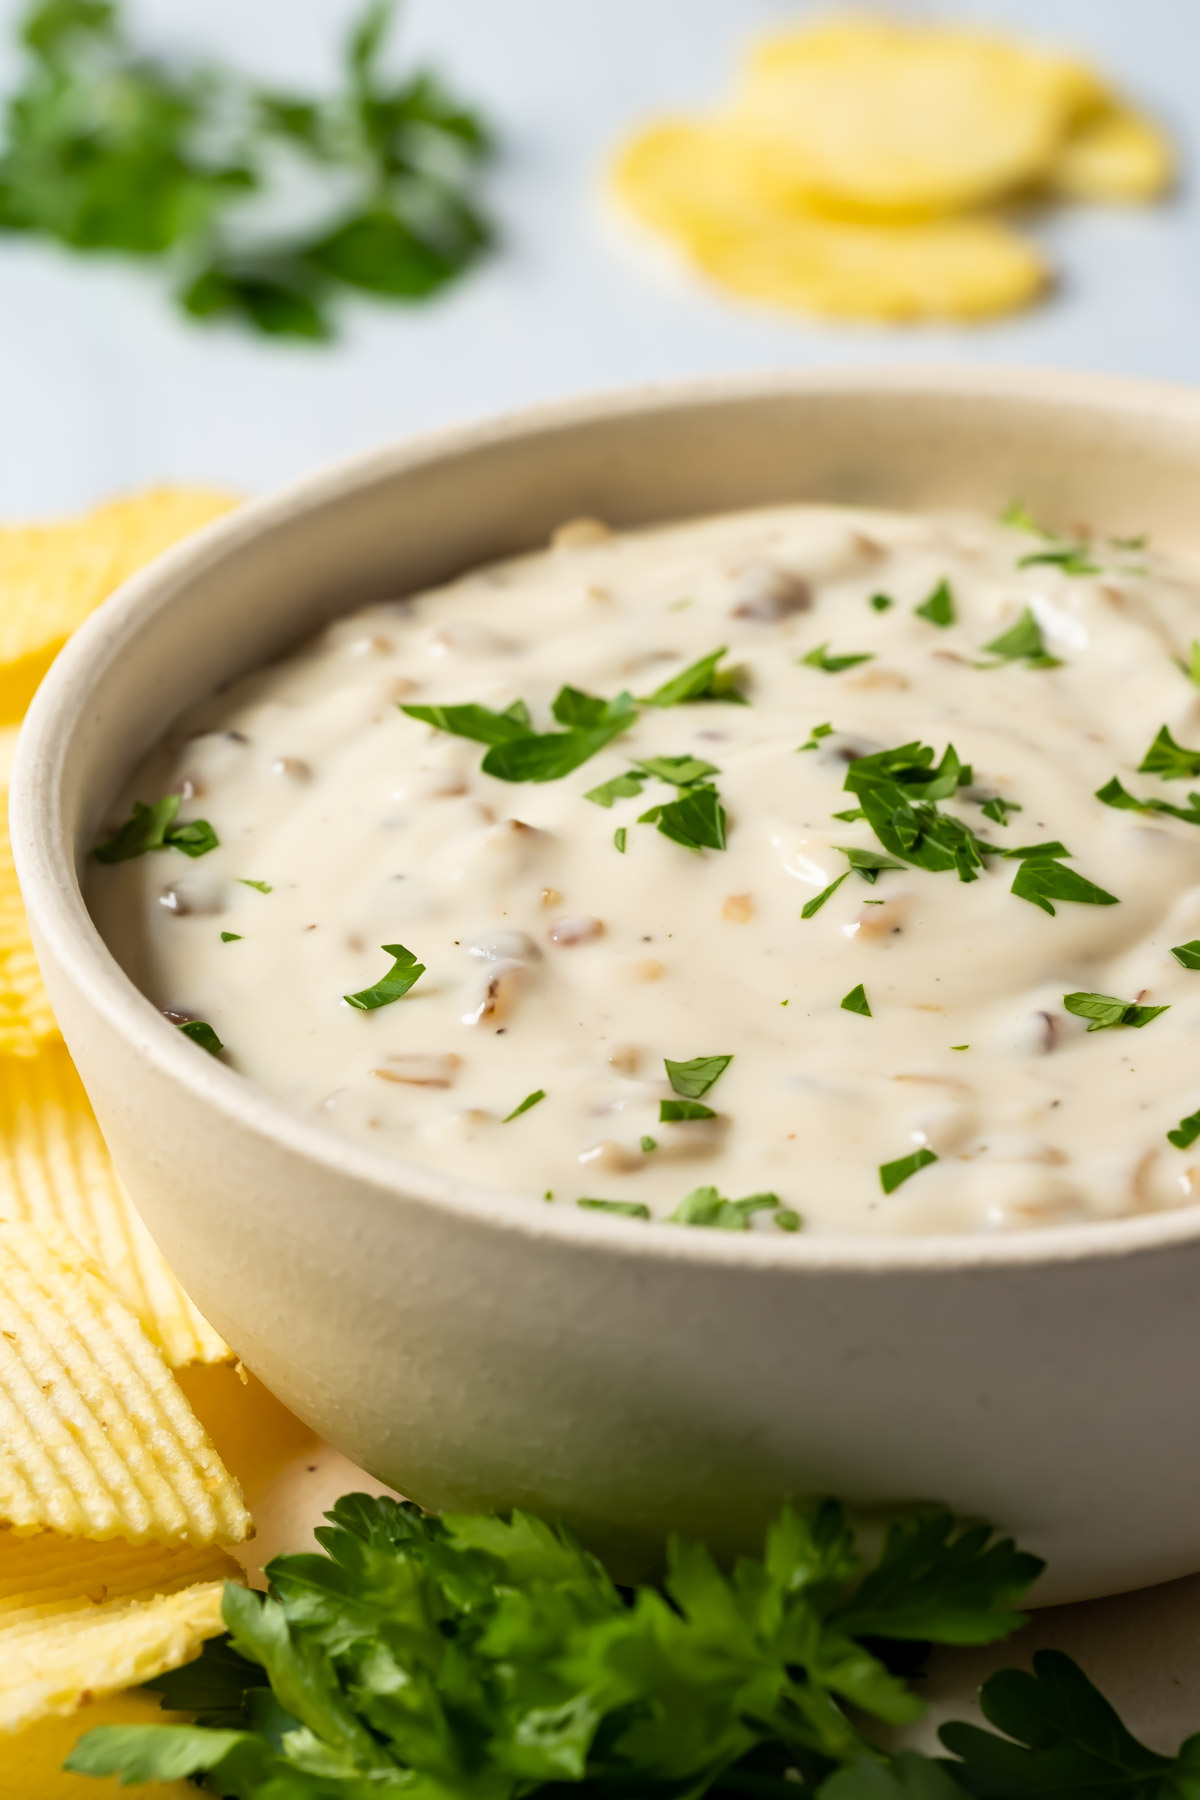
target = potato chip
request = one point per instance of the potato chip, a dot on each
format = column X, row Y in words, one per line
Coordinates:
column 31, row 1760
column 55, row 1170
column 53, row 576
column 697, row 184
column 1114, row 154
column 881, row 118
column 78, row 1619
column 96, row 1438
column 26, row 1022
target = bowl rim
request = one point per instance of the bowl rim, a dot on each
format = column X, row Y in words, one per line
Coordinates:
column 50, row 885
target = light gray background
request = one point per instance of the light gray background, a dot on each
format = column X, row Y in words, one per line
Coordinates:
column 103, row 387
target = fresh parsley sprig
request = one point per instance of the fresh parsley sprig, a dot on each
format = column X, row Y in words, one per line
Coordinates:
column 107, row 148
column 492, row 1656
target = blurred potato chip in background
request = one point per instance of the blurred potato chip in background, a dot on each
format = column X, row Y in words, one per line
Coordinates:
column 26, row 1023
column 52, row 576
column 55, row 1171
column 860, row 168
column 96, row 1437
column 84, row 1619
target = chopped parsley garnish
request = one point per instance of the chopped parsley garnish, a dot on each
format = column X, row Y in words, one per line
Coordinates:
column 701, row 680
column 403, row 974
column 818, row 732
column 856, row 1002
column 869, row 864
column 260, row 887
column 154, row 827
column 833, row 665
column 619, row 836
column 682, row 1112
column 1022, row 642
column 881, row 602
column 694, row 1078
column 1113, row 794
column 1187, row 955
column 892, row 1174
column 1170, row 760
column 204, row 1035
column 817, row 902
column 999, row 809
column 960, row 1046
column 529, row 1101
column 1105, row 1012
column 677, row 771
column 706, row 1207
column 518, row 752
column 231, row 937
column 649, row 1144
column 1072, row 559
column 626, row 1209
column 696, row 820
column 1018, row 515
column 939, row 608
column 621, row 787
column 1191, row 667
column 1044, row 880
column 1186, row 1132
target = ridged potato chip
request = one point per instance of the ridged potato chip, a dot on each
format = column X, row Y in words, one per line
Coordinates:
column 96, row 1438
column 1114, row 154
column 697, row 184
column 879, row 118
column 26, row 1022
column 52, row 576
column 31, row 1760
column 79, row 1619
column 55, row 1171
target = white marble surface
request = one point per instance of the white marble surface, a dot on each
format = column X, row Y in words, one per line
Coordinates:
column 102, row 387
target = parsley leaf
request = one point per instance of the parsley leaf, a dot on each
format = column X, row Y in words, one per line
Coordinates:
column 403, row 974
column 260, row 887
column 1186, row 1132
column 683, row 1112
column 1061, row 1736
column 999, row 809
column 621, row 787
column 1022, row 642
column 231, row 937
column 678, row 771
column 881, row 602
column 814, row 905
column 898, row 790
column 1018, row 515
column 856, row 1002
column 694, row 1078
column 833, row 665
column 518, row 753
column 696, row 820
column 529, row 1101
column 204, row 1035
column 939, row 608
column 1106, row 1012
column 701, row 680
column 706, row 1207
column 619, row 837
column 1170, row 760
column 480, row 723
column 627, row 1209
column 1187, row 955
column 1042, row 881
column 868, row 863
column 1191, row 667
column 892, row 1174
column 1113, row 794
column 1072, row 559
column 154, row 828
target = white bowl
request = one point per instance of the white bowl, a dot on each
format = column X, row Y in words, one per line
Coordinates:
column 473, row 1349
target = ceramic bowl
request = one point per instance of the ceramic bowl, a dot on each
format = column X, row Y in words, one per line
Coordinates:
column 474, row 1349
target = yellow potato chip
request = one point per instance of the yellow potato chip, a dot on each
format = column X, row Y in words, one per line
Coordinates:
column 53, row 576
column 79, row 1619
column 878, row 117
column 696, row 184
column 31, row 1759
column 26, row 1022
column 55, row 1170
column 1114, row 154
column 96, row 1438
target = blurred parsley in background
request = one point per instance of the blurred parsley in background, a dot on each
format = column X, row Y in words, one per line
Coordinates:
column 262, row 203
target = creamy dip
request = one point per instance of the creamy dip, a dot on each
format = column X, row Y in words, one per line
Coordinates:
column 915, row 1023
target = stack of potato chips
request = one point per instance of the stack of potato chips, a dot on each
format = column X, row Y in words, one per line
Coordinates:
column 868, row 168
column 115, row 1505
